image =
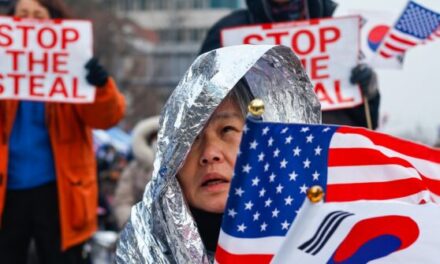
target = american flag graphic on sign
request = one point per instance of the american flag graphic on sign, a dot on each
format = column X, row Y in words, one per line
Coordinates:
column 278, row 162
column 414, row 26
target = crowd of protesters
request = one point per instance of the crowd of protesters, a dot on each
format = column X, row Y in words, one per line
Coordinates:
column 56, row 194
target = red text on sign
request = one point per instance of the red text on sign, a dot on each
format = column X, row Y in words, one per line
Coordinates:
column 45, row 37
column 310, row 41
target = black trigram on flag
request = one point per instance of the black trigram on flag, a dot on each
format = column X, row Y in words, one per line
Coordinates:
column 325, row 230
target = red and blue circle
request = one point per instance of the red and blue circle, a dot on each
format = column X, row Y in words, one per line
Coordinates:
column 376, row 35
column 375, row 238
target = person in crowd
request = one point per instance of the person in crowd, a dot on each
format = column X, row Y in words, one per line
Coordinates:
column 48, row 182
column 132, row 183
column 178, row 220
column 270, row 11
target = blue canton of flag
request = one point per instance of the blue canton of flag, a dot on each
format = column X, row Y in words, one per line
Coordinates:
column 273, row 173
column 418, row 21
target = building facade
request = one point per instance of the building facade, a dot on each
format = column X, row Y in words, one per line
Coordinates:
column 180, row 27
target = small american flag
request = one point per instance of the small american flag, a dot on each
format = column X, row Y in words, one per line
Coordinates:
column 414, row 26
column 278, row 162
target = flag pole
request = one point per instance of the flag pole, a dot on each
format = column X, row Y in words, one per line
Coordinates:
column 367, row 113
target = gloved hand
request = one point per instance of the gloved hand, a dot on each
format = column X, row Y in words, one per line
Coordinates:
column 97, row 74
column 366, row 77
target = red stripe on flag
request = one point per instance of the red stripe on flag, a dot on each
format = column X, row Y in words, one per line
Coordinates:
column 222, row 256
column 384, row 54
column 394, row 48
column 401, row 40
column 373, row 190
column 403, row 146
column 433, row 185
column 362, row 156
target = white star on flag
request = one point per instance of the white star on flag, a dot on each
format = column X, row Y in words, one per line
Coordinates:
column 255, row 181
column 272, row 177
column 289, row 140
column 305, row 129
column 256, row 216
column 266, row 166
column 285, row 225
column 270, row 142
column 315, row 176
column 293, row 176
column 275, row 213
column 267, row 203
column 296, row 151
column 241, row 227
column 303, row 189
column 248, row 205
column 310, row 138
column 307, row 163
column 253, row 145
column 280, row 188
column 262, row 192
column 318, row 150
column 239, row 191
column 232, row 213
column 265, row 130
column 245, row 129
column 263, row 227
column 247, row 168
column 261, row 157
column 283, row 163
column 288, row 200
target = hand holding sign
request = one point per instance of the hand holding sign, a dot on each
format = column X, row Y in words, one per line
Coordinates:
column 97, row 75
column 364, row 75
column 44, row 60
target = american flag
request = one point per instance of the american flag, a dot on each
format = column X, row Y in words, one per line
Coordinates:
column 416, row 25
column 278, row 162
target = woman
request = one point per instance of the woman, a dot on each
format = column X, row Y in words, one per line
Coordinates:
column 179, row 217
column 48, row 188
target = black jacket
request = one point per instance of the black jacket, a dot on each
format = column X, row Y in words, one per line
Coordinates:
column 257, row 13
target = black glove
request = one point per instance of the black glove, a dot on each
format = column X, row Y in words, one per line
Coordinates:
column 365, row 76
column 97, row 74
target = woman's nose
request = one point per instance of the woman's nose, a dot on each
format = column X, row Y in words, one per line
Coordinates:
column 211, row 153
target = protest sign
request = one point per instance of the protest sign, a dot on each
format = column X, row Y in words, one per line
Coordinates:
column 43, row 60
column 328, row 49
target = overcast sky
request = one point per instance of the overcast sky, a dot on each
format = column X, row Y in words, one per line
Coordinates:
column 410, row 97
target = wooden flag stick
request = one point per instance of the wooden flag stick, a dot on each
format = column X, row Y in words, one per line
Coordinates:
column 367, row 113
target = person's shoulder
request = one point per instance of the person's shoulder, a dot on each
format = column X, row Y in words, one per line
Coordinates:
column 236, row 18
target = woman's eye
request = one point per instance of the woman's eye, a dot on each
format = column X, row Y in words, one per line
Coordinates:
column 228, row 129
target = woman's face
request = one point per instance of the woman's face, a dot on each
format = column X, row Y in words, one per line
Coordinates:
column 31, row 9
column 206, row 174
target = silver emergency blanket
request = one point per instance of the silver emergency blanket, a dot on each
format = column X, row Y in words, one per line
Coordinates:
column 161, row 228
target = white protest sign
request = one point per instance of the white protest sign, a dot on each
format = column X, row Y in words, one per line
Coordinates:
column 43, row 60
column 327, row 48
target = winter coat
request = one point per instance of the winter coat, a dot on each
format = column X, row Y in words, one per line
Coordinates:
column 161, row 228
column 132, row 183
column 258, row 13
column 69, row 127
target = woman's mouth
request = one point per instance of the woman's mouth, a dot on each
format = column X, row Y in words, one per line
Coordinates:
column 214, row 182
